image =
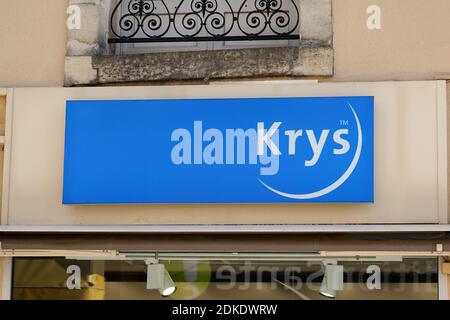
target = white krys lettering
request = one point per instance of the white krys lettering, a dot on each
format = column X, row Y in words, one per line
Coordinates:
column 264, row 138
column 345, row 145
column 293, row 135
column 181, row 152
column 316, row 147
column 213, row 153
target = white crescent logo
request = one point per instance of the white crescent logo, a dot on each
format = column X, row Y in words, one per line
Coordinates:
column 335, row 184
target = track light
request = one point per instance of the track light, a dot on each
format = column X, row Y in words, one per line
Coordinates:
column 159, row 278
column 333, row 280
column 168, row 287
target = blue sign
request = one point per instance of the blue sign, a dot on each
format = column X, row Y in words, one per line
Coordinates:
column 264, row 150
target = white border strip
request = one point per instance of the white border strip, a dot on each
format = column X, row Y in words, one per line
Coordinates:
column 6, row 279
column 442, row 282
column 7, row 157
column 161, row 229
column 441, row 134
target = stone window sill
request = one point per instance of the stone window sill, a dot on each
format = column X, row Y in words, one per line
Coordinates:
column 199, row 65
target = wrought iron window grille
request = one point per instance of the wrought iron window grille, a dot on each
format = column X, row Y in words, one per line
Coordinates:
column 134, row 21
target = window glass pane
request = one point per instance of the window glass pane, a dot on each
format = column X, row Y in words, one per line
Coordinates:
column 347, row 278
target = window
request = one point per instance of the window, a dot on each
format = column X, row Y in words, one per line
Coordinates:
column 286, row 277
column 167, row 40
column 140, row 26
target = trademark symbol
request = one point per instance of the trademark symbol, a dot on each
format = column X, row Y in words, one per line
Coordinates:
column 343, row 122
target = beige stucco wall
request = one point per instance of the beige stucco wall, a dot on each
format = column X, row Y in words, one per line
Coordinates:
column 414, row 41
column 32, row 42
column 407, row 178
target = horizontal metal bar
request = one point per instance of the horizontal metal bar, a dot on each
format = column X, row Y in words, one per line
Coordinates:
column 58, row 253
column 278, row 257
column 228, row 229
column 242, row 256
column 197, row 39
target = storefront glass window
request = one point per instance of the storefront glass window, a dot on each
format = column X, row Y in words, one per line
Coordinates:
column 341, row 278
